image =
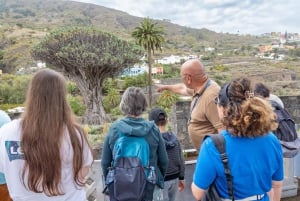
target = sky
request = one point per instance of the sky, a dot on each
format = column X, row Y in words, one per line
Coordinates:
column 233, row 16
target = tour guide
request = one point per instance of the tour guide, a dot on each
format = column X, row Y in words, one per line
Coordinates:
column 203, row 118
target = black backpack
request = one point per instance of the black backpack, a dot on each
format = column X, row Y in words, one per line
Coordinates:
column 286, row 131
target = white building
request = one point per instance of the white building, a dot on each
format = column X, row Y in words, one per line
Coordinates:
column 173, row 59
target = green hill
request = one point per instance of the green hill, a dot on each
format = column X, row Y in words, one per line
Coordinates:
column 25, row 22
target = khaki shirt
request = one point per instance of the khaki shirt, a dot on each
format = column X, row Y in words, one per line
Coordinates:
column 204, row 117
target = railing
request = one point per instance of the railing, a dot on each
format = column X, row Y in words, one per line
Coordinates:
column 95, row 182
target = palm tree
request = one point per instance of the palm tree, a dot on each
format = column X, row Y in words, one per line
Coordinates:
column 150, row 36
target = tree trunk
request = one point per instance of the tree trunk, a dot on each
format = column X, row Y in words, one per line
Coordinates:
column 149, row 77
column 95, row 113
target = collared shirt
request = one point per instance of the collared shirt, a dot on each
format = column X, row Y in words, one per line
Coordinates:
column 204, row 117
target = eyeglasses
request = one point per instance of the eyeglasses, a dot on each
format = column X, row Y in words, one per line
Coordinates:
column 217, row 100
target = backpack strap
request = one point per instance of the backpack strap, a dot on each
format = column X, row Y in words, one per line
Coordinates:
column 220, row 144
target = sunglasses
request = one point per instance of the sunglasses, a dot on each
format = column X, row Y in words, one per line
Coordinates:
column 216, row 100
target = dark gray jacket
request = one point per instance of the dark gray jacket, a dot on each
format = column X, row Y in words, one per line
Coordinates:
column 176, row 166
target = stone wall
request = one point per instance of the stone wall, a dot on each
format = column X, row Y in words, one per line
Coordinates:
column 180, row 114
column 178, row 122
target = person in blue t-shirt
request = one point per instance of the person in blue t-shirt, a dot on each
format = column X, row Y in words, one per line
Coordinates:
column 254, row 153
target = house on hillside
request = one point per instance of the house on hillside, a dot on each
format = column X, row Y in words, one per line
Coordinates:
column 173, row 59
column 265, row 48
column 157, row 70
column 134, row 71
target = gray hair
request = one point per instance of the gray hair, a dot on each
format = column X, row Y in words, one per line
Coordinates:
column 133, row 101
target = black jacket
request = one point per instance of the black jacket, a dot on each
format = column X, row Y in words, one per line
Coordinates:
column 176, row 166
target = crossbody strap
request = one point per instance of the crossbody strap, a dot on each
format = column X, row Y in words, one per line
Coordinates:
column 197, row 99
column 220, row 144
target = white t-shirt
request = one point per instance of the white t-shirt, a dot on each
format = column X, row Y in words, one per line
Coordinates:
column 12, row 162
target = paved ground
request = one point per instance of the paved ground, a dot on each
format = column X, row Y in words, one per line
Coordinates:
column 295, row 198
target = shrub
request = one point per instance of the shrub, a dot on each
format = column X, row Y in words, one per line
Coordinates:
column 138, row 81
column 109, row 84
column 167, row 99
column 220, row 68
column 7, row 106
column 112, row 99
column 76, row 105
column 72, row 88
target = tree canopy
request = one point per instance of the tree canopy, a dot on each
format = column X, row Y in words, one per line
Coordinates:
column 87, row 56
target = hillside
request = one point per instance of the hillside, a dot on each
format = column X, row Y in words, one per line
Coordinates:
column 25, row 22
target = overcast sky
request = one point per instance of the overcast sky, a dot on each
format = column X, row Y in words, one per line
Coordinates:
column 233, row 16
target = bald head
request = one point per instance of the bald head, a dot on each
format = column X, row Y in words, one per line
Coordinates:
column 194, row 68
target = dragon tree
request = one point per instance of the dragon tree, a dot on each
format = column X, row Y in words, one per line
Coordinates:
column 87, row 56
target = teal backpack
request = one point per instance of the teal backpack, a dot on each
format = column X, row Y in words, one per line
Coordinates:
column 130, row 175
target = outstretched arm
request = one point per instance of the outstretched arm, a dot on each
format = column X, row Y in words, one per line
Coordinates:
column 180, row 89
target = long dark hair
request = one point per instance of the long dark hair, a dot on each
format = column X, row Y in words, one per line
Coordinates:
column 47, row 115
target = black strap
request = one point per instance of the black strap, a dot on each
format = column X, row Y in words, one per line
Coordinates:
column 197, row 99
column 220, row 144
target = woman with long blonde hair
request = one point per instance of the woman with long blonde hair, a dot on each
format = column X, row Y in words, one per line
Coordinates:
column 45, row 154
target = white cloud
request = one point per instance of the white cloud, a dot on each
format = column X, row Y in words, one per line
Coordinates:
column 247, row 16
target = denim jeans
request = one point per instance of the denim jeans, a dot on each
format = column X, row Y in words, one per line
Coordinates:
column 168, row 193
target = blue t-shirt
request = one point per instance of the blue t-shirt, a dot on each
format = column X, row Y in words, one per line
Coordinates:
column 4, row 118
column 254, row 163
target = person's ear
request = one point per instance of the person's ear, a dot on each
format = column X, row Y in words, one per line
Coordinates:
column 221, row 111
column 224, row 111
column 189, row 78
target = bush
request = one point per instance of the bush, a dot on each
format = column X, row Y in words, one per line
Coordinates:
column 116, row 111
column 112, row 99
column 13, row 89
column 138, row 81
column 220, row 68
column 76, row 105
column 167, row 99
column 109, row 84
column 73, row 89
column 6, row 107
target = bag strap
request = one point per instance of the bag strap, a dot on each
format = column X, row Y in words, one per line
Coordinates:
column 220, row 144
column 197, row 99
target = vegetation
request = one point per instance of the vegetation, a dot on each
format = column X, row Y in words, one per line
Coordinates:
column 87, row 56
column 26, row 22
column 138, row 81
column 150, row 36
column 13, row 89
column 111, row 100
column 166, row 100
